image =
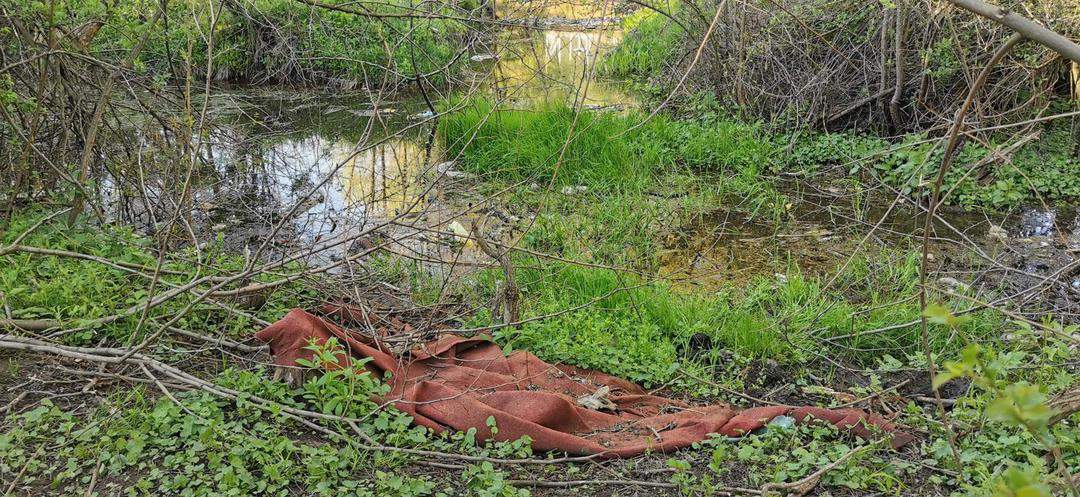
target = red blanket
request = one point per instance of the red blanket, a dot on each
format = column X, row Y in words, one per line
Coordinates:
column 457, row 383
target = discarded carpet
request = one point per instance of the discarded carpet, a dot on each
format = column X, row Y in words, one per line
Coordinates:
column 457, row 383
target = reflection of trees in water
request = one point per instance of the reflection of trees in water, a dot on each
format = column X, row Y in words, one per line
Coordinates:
column 575, row 47
column 549, row 65
column 386, row 177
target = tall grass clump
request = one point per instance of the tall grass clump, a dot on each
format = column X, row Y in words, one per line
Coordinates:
column 602, row 149
column 520, row 145
column 649, row 45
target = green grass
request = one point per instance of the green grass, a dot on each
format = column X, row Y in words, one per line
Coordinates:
column 633, row 328
column 598, row 149
column 648, row 47
column 527, row 145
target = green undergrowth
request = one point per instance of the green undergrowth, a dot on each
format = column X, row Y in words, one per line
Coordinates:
column 1044, row 170
column 201, row 444
column 596, row 149
column 1009, row 446
column 649, row 46
column 787, row 455
column 624, row 325
column 76, row 292
column 276, row 40
column 140, row 443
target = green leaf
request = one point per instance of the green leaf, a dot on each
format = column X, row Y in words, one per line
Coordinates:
column 1016, row 482
column 939, row 314
column 1021, row 404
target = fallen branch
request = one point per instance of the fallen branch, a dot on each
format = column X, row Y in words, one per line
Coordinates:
column 805, row 485
column 1023, row 26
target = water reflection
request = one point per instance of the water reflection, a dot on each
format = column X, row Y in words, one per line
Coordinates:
column 557, row 66
column 517, row 9
column 339, row 161
column 387, row 177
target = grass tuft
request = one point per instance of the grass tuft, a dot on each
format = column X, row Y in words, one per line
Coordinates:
column 599, row 149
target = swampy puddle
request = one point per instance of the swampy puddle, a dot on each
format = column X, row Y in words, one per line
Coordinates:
column 1025, row 251
column 334, row 164
column 348, row 164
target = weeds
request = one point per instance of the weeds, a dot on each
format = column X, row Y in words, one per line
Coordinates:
column 75, row 292
column 781, row 455
column 1042, row 170
column 650, row 43
column 602, row 150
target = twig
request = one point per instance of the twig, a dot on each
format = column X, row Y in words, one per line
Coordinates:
column 805, row 485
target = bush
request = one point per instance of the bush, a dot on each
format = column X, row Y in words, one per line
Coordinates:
column 260, row 40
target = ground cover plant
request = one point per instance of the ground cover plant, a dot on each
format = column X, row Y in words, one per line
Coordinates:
column 195, row 430
column 1040, row 171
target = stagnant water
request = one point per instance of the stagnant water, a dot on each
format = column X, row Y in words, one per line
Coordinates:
column 274, row 147
column 355, row 164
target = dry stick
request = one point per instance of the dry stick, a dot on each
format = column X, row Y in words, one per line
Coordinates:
column 119, row 265
column 728, row 390
column 873, row 395
column 60, row 172
column 581, row 483
column 122, row 356
column 805, row 485
column 856, row 105
column 24, row 159
column 898, row 56
column 93, row 478
column 15, row 481
column 883, row 59
column 509, row 294
column 45, row 324
column 14, row 402
column 164, row 390
column 950, row 148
